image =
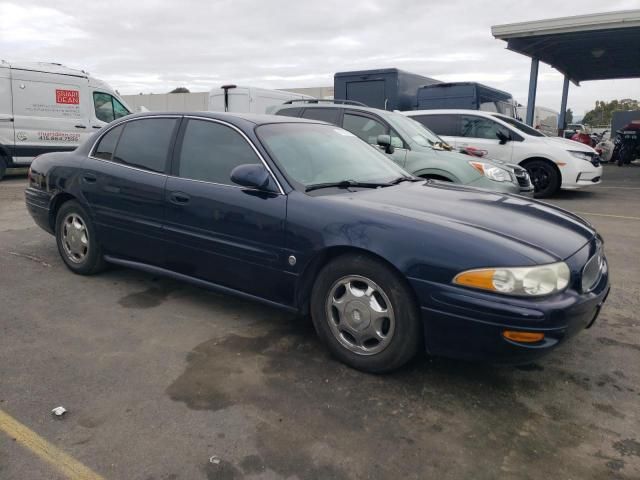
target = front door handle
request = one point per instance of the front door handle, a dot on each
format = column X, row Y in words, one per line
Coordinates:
column 81, row 126
column 179, row 198
column 89, row 178
column 96, row 126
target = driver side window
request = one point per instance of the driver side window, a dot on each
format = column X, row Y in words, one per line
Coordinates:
column 108, row 108
column 479, row 127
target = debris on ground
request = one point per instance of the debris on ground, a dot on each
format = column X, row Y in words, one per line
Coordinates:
column 59, row 411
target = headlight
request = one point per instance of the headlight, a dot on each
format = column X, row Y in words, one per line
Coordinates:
column 581, row 155
column 523, row 281
column 492, row 172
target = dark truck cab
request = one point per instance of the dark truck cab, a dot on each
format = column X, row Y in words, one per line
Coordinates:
column 385, row 88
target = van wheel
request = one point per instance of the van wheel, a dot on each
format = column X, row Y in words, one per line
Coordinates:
column 545, row 178
column 76, row 238
column 364, row 312
column 3, row 167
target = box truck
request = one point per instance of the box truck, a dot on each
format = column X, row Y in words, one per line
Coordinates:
column 231, row 98
column 544, row 119
column 466, row 96
column 47, row 107
column 386, row 88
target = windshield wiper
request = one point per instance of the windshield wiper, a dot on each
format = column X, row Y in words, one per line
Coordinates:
column 404, row 179
column 346, row 184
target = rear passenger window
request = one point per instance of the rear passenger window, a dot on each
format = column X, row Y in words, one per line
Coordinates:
column 145, row 143
column 444, row 125
column 210, row 152
column 107, row 144
column 289, row 112
column 329, row 115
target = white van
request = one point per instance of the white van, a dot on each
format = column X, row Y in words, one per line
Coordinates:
column 544, row 119
column 46, row 107
column 552, row 162
column 231, row 98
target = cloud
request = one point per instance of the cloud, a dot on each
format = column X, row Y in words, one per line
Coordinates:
column 154, row 46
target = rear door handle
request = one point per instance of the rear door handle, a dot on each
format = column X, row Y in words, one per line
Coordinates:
column 96, row 126
column 81, row 126
column 179, row 198
column 89, row 178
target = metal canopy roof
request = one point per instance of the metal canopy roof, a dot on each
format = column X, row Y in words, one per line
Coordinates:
column 585, row 47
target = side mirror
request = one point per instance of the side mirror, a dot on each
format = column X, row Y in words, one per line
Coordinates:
column 384, row 141
column 252, row 175
column 503, row 137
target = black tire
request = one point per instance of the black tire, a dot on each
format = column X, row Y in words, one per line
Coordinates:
column 545, row 178
column 91, row 261
column 406, row 336
column 3, row 167
column 436, row 177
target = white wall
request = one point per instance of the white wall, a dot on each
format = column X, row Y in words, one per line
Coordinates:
column 169, row 102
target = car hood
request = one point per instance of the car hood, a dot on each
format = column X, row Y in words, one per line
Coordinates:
column 538, row 231
column 568, row 144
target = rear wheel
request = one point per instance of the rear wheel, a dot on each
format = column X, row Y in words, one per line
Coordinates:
column 3, row 167
column 77, row 241
column 545, row 178
column 364, row 312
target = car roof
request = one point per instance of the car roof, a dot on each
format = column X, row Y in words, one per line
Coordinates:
column 452, row 110
column 333, row 105
column 231, row 117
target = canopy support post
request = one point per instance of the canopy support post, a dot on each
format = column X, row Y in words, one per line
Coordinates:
column 533, row 87
column 563, row 107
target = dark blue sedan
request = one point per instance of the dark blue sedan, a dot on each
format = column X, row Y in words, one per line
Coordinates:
column 307, row 217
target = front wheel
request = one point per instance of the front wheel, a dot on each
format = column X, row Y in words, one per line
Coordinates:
column 77, row 240
column 545, row 178
column 363, row 311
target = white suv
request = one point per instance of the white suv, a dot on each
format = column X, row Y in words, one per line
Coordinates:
column 552, row 162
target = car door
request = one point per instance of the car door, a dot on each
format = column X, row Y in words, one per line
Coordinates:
column 220, row 232
column 481, row 133
column 367, row 127
column 123, row 182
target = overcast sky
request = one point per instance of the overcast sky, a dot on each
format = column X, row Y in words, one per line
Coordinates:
column 153, row 46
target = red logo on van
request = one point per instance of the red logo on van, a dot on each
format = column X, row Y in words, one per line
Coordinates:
column 70, row 97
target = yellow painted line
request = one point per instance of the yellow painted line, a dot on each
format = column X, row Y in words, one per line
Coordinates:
column 68, row 466
column 607, row 215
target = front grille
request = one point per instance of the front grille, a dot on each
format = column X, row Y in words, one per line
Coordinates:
column 594, row 269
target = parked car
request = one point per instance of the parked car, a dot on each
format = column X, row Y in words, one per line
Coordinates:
column 573, row 128
column 304, row 216
column 46, row 107
column 231, row 98
column 552, row 162
column 412, row 146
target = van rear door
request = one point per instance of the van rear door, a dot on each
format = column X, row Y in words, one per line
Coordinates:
column 50, row 113
column 6, row 114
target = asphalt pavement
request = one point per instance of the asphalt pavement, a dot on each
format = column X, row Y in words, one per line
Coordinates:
column 165, row 381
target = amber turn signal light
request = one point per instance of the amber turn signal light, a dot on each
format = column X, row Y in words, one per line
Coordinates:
column 523, row 337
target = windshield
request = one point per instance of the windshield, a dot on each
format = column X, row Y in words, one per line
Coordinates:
column 521, row 126
column 417, row 132
column 311, row 154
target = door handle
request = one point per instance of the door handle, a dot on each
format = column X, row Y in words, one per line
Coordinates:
column 179, row 198
column 96, row 126
column 81, row 126
column 89, row 178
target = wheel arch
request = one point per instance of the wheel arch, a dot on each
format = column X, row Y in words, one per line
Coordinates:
column 524, row 162
column 320, row 259
column 57, row 202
